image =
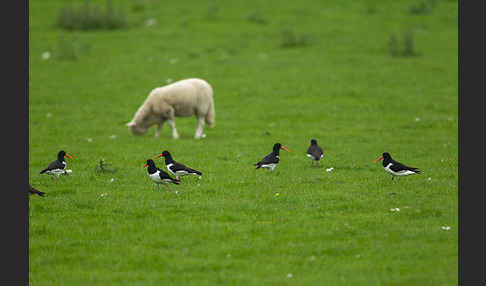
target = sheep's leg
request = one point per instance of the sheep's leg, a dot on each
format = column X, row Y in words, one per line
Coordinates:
column 170, row 115
column 175, row 135
column 200, row 125
column 159, row 128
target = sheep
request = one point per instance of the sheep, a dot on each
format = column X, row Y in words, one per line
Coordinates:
column 182, row 99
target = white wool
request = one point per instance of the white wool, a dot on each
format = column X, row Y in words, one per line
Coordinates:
column 183, row 98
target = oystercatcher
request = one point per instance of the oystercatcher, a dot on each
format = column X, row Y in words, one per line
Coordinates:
column 314, row 152
column 32, row 190
column 159, row 176
column 395, row 168
column 270, row 161
column 57, row 167
column 177, row 169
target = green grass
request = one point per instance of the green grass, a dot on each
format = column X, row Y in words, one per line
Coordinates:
column 343, row 88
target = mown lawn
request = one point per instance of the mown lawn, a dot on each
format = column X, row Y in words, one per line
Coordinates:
column 339, row 84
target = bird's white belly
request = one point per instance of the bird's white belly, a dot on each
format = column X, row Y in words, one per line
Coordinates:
column 155, row 177
column 176, row 173
column 169, row 168
column 310, row 156
column 269, row 166
column 314, row 158
column 58, row 172
column 399, row 173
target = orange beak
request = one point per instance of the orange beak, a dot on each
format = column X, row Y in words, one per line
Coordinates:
column 158, row 156
column 144, row 165
column 69, row 157
column 285, row 149
column 381, row 157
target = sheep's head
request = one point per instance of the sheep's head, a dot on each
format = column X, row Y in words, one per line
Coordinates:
column 145, row 117
column 137, row 129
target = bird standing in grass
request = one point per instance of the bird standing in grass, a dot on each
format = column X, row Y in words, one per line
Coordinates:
column 314, row 152
column 159, row 176
column 32, row 190
column 177, row 169
column 270, row 161
column 395, row 168
column 58, row 166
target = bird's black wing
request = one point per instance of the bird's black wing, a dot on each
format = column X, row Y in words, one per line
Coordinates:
column 181, row 167
column 269, row 159
column 319, row 149
column 315, row 151
column 53, row 165
column 165, row 176
column 309, row 150
column 397, row 167
column 32, row 190
column 177, row 167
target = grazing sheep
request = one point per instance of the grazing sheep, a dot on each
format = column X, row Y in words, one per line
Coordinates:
column 182, row 98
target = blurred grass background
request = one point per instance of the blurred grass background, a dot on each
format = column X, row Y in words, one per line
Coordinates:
column 362, row 77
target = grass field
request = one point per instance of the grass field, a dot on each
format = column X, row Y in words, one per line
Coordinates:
column 340, row 84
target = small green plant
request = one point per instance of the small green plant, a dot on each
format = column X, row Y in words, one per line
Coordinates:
column 409, row 44
column 66, row 49
column 90, row 16
column 140, row 5
column 422, row 7
column 371, row 9
column 212, row 12
column 257, row 17
column 291, row 39
column 104, row 167
column 393, row 45
column 193, row 55
column 405, row 48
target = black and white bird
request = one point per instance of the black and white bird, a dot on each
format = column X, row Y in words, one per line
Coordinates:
column 58, row 166
column 270, row 161
column 32, row 190
column 159, row 176
column 395, row 168
column 314, row 152
column 175, row 168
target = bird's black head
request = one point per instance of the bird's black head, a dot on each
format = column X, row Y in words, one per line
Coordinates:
column 167, row 156
column 386, row 158
column 277, row 147
column 61, row 154
column 150, row 163
column 313, row 142
column 166, row 153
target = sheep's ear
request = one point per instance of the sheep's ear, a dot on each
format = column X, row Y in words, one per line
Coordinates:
column 130, row 124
